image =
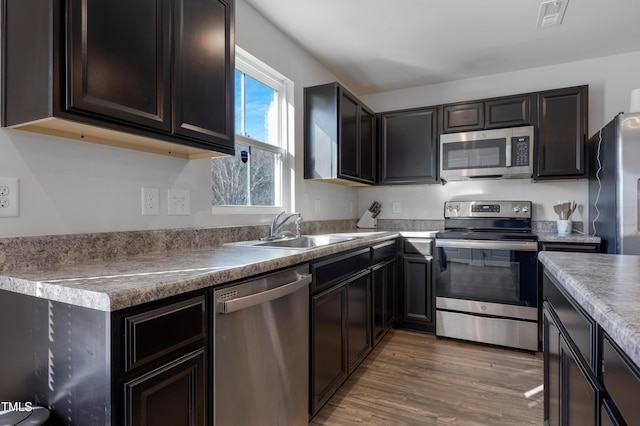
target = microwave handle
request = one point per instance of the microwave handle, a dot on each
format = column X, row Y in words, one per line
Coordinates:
column 508, row 152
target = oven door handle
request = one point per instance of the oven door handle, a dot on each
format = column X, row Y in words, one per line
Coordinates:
column 489, row 245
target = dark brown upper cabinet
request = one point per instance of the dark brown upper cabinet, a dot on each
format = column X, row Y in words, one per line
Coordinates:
column 157, row 76
column 408, row 147
column 339, row 137
column 507, row 111
column 510, row 111
column 562, row 134
column 463, row 117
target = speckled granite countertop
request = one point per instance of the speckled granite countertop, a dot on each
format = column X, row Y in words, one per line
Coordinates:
column 120, row 283
column 607, row 286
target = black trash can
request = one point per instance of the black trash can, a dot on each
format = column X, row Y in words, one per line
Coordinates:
column 35, row 417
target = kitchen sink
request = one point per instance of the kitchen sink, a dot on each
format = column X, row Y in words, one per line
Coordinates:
column 304, row 242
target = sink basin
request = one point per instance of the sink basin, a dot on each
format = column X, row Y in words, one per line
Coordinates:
column 303, row 243
column 306, row 241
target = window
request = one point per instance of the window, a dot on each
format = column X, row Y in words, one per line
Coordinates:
column 255, row 177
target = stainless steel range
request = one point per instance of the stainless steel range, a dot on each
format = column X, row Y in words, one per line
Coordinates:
column 487, row 274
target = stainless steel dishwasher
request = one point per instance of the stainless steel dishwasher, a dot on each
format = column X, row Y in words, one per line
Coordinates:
column 261, row 351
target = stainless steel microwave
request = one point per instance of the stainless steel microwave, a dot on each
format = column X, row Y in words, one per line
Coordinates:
column 487, row 154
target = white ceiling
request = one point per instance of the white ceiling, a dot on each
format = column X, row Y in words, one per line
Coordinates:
column 379, row 45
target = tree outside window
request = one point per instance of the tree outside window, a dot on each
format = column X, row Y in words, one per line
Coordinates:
column 255, row 175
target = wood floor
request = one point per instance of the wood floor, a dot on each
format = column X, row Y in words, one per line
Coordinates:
column 418, row 379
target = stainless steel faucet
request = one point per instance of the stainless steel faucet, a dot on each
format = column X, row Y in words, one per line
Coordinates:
column 275, row 225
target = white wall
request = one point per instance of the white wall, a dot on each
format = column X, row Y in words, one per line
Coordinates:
column 74, row 187
column 610, row 81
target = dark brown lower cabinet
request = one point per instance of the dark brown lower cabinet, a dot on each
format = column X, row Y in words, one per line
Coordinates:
column 173, row 394
column 418, row 307
column 552, row 377
column 588, row 379
column 340, row 335
column 384, row 283
column 572, row 391
column 581, row 392
column 144, row 365
column 328, row 344
column 621, row 379
column 417, row 293
column 358, row 319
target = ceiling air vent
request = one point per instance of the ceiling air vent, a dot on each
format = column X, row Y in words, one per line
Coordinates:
column 551, row 13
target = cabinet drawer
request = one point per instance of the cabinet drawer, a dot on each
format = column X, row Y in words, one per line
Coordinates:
column 622, row 380
column 178, row 327
column 330, row 271
column 580, row 328
column 418, row 246
column 383, row 251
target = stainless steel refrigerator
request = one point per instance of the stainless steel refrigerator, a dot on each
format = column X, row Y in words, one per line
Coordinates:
column 614, row 184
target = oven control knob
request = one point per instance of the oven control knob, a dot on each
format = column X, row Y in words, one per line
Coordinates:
column 525, row 209
column 516, row 209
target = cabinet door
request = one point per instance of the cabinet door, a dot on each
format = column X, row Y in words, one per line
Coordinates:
column 560, row 146
column 509, row 112
column 418, row 298
column 119, row 61
column 408, row 147
column 328, row 344
column 349, row 145
column 358, row 319
column 384, row 298
column 171, row 395
column 379, row 284
column 367, row 145
column 463, row 117
column 621, row 378
column 579, row 395
column 551, row 360
column 390, row 296
column 204, row 70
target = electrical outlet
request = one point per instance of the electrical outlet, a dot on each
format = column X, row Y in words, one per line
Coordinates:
column 395, row 207
column 179, row 202
column 150, row 201
column 8, row 197
column 316, row 205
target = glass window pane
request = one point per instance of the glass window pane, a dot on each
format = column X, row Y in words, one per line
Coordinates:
column 229, row 176
column 263, row 172
column 254, row 183
column 260, row 112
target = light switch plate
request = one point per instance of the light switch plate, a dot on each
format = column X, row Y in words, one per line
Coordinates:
column 8, row 197
column 179, row 202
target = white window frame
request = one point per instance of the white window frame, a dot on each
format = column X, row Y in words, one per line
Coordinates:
column 261, row 72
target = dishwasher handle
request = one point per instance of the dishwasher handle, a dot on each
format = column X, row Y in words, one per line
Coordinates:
column 263, row 297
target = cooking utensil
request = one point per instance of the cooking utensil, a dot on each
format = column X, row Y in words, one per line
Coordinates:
column 558, row 209
column 573, row 208
column 566, row 208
